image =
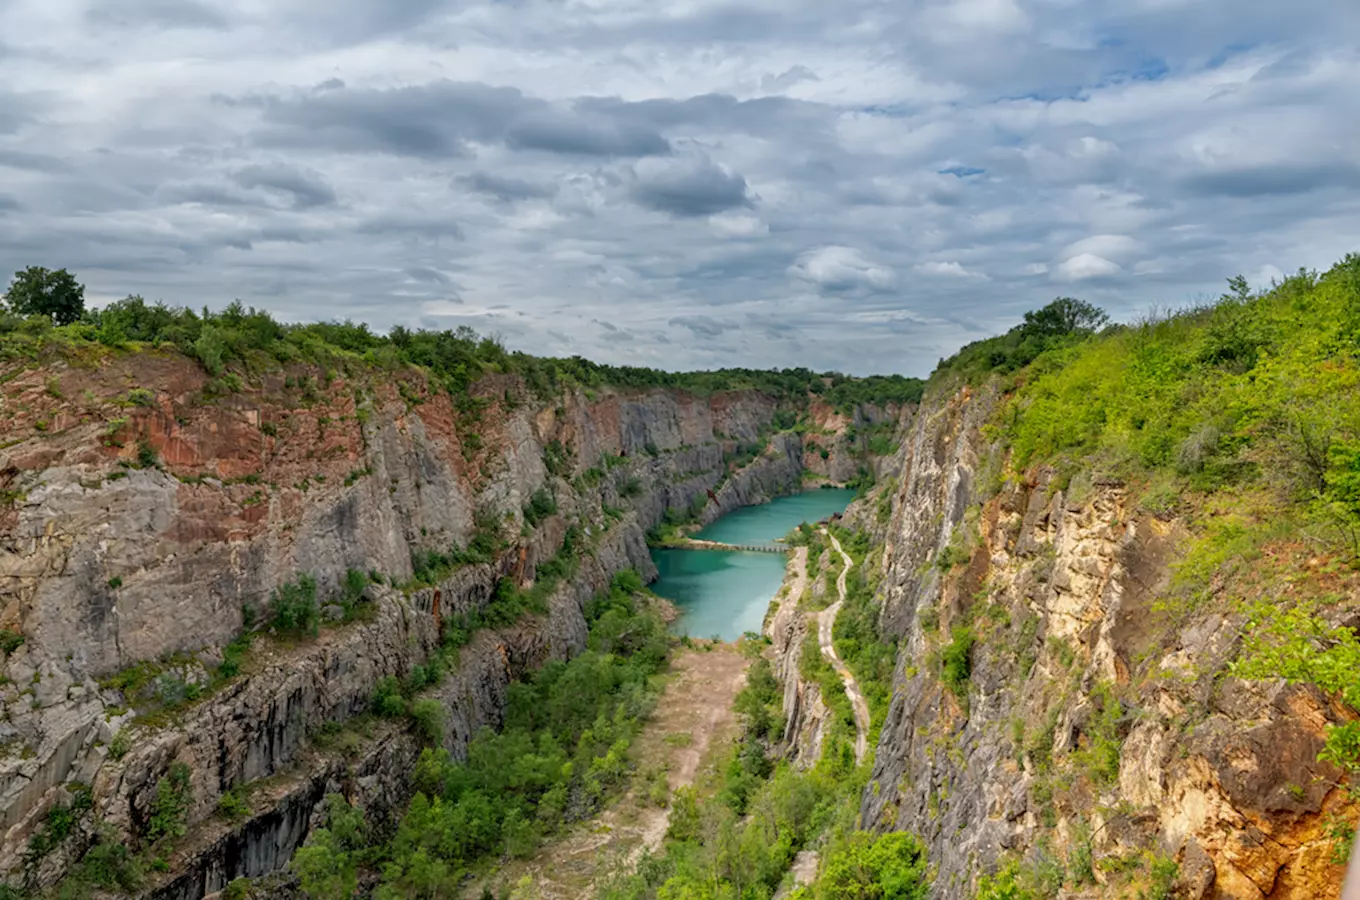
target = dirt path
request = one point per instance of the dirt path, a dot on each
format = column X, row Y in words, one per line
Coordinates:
column 689, row 731
column 825, row 623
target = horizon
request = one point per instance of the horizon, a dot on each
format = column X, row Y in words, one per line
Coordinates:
column 681, row 187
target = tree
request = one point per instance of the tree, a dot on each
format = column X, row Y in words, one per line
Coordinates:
column 885, row 867
column 41, row 292
column 1064, row 316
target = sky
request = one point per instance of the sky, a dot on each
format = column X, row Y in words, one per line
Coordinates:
column 860, row 186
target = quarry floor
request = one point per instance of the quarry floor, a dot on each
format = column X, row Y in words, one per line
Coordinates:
column 687, row 737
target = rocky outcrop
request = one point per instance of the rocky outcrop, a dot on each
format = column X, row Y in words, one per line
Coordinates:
column 1091, row 722
column 805, row 713
column 144, row 523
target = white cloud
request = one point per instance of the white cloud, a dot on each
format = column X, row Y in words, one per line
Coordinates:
column 1084, row 266
column 737, row 225
column 837, row 268
column 946, row 270
column 1110, row 246
column 1265, row 277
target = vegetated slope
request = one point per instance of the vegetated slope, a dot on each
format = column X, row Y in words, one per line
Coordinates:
column 241, row 577
column 1122, row 578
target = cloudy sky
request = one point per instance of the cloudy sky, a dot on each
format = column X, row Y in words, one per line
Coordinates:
column 861, row 185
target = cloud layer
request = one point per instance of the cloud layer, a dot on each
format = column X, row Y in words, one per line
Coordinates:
column 860, row 186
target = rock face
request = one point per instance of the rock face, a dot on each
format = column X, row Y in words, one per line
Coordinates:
column 1059, row 583
column 146, row 524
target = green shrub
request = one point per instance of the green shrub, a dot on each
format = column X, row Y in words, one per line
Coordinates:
column 170, row 809
column 232, row 805
column 427, row 717
column 109, row 865
column 293, row 608
column 955, row 660
column 10, row 640
column 141, row 397
column 388, row 700
column 541, row 505
column 147, row 458
column 875, row 867
column 211, row 348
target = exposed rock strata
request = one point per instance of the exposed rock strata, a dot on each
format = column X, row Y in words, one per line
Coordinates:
column 1217, row 774
column 105, row 565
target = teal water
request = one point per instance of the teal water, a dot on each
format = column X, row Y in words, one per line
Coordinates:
column 724, row 593
column 759, row 524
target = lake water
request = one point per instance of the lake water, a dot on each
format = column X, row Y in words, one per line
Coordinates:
column 723, row 593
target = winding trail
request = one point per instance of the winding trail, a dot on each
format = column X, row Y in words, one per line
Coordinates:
column 825, row 623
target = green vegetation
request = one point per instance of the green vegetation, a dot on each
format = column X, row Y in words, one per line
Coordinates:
column 878, row 390
column 293, row 610
column 1063, row 323
column 562, row 750
column 252, row 340
column 170, row 809
column 1255, row 394
column 36, row 291
column 856, row 634
column 429, row 567
column 541, row 505
column 956, row 661
column 10, row 640
column 1297, row 645
column 874, row 867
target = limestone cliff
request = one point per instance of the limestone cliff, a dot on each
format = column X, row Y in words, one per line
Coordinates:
column 149, row 509
column 1092, row 729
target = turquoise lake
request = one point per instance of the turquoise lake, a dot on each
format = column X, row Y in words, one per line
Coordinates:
column 724, row 594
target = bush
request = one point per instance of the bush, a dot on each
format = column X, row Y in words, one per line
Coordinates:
column 232, row 805
column 541, row 505
column 170, row 809
column 111, row 866
column 868, row 867
column 120, row 745
column 211, row 348
column 427, row 716
column 10, row 640
column 293, row 607
column 147, row 458
column 388, row 700
column 956, row 664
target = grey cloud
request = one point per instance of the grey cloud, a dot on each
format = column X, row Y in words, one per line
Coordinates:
column 428, row 226
column 1286, row 178
column 506, row 189
column 155, row 14
column 206, row 194
column 690, row 187
column 787, row 79
column 562, row 132
column 8, row 203
column 700, row 326
column 306, row 189
column 35, row 162
column 426, row 275
column 440, row 120
column 430, row 121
